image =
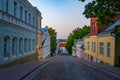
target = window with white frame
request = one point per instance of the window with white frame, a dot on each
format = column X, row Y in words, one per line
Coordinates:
column 88, row 48
column 94, row 47
column 108, row 49
column 101, row 48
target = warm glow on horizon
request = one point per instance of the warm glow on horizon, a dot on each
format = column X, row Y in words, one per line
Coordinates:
column 62, row 15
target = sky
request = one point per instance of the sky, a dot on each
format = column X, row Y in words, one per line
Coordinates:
column 62, row 15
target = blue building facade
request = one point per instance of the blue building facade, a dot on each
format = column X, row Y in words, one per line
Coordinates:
column 20, row 22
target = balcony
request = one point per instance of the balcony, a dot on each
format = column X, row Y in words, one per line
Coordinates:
column 11, row 19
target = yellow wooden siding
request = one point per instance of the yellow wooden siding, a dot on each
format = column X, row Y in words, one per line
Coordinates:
column 105, row 40
column 90, row 40
column 104, row 57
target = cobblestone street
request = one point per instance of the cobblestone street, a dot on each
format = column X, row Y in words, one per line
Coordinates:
column 64, row 67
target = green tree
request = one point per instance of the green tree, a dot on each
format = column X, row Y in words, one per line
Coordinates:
column 53, row 34
column 77, row 33
column 105, row 10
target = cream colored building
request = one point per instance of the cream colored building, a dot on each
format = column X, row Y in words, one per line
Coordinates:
column 104, row 47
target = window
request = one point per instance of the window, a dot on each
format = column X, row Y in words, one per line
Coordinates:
column 29, row 17
column 108, row 49
column 21, row 12
column 20, row 46
column 15, row 8
column 14, row 46
column 25, row 15
column 29, row 45
column 101, row 48
column 33, row 45
column 33, row 21
column 88, row 46
column 7, row 6
column 25, row 45
column 6, row 46
column 94, row 47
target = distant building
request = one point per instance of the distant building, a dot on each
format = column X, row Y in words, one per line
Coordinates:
column 58, row 42
column 62, row 46
column 20, row 22
column 45, row 42
column 102, row 44
column 77, row 49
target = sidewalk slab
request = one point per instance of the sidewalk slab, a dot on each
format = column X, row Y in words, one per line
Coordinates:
column 17, row 72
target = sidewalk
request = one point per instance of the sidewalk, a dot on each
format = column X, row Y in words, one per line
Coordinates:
column 106, row 68
column 19, row 71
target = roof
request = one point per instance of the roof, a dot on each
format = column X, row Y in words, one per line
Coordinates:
column 110, row 28
column 62, row 44
column 88, row 35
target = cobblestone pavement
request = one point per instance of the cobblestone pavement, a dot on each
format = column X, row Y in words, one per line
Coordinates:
column 65, row 67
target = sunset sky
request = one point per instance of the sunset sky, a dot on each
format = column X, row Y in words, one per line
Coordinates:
column 62, row 15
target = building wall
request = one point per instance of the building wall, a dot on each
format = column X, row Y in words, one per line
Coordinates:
column 46, row 45
column 17, row 30
column 90, row 51
column 39, row 46
column 117, row 48
column 96, row 56
column 103, row 57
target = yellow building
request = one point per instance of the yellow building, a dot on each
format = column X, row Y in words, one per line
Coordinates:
column 91, row 47
column 39, row 46
column 104, row 47
column 38, row 37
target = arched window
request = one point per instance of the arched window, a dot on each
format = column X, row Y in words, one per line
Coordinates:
column 6, row 46
column 29, row 45
column 14, row 46
column 20, row 45
column 33, row 45
column 25, row 45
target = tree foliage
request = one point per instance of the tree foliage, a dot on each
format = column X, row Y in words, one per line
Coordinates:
column 105, row 10
column 53, row 34
column 77, row 33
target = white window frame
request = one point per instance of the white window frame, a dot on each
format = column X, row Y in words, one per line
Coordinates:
column 101, row 48
column 108, row 49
